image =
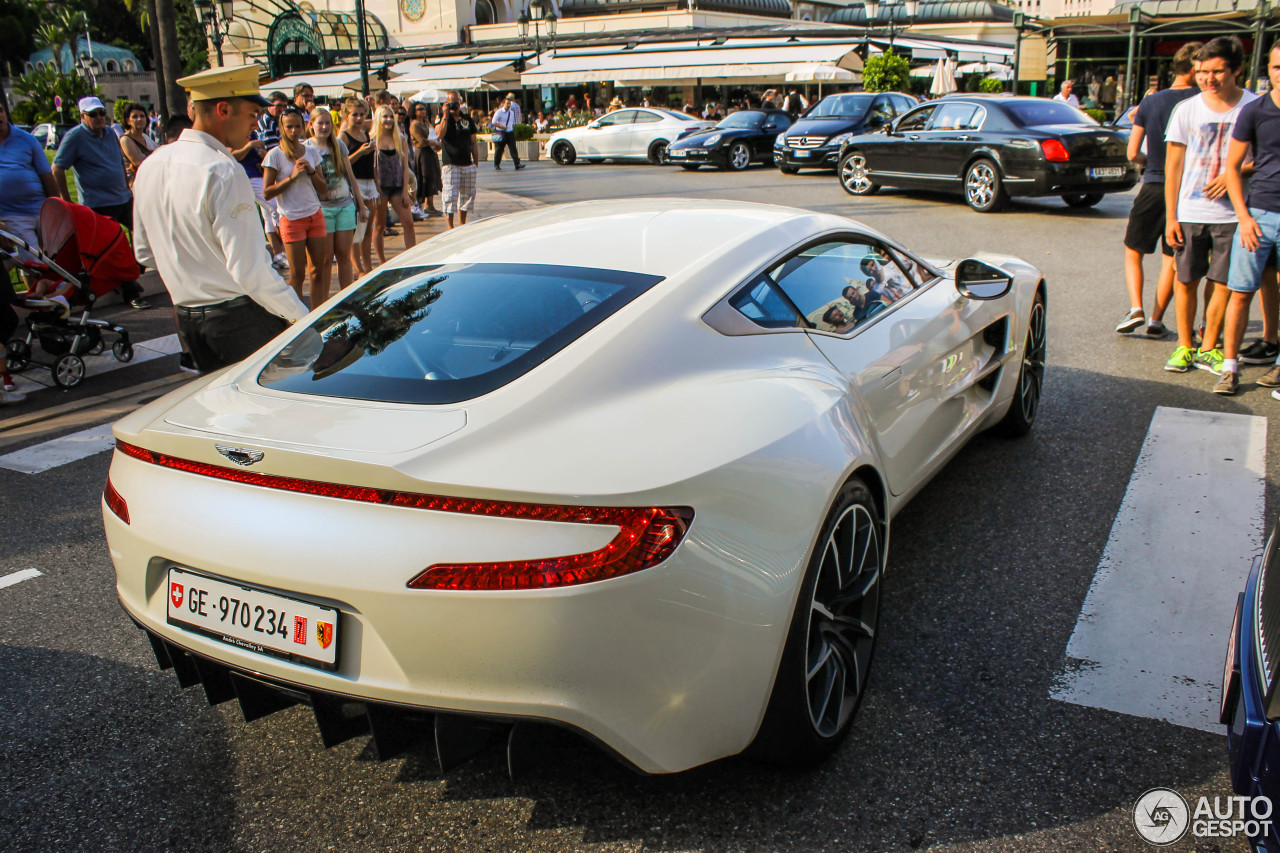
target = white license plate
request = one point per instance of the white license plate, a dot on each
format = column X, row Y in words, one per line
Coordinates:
column 1107, row 172
column 252, row 619
column 801, row 154
column 678, row 153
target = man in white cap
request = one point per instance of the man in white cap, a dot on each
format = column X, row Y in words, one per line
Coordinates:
column 197, row 223
column 94, row 153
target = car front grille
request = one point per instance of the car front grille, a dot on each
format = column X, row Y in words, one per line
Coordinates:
column 805, row 141
column 1268, row 605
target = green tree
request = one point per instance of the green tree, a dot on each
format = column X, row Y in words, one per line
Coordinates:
column 40, row 87
column 990, row 85
column 886, row 72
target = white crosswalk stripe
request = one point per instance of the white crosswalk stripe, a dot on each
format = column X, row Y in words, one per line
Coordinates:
column 59, row 451
column 1151, row 637
column 18, row 577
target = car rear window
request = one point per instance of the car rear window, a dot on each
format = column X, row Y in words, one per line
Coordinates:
column 1038, row 113
column 446, row 333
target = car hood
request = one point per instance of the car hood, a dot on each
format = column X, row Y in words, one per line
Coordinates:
column 695, row 139
column 822, row 126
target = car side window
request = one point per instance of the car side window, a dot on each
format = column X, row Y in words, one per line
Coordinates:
column 763, row 303
column 882, row 113
column 916, row 120
column 952, row 116
column 975, row 121
column 643, row 117
column 903, row 104
column 841, row 285
column 617, row 117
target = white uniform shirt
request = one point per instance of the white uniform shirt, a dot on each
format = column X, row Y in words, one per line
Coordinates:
column 196, row 222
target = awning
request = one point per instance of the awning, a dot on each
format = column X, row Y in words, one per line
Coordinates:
column 485, row 73
column 672, row 64
column 327, row 83
column 922, row 48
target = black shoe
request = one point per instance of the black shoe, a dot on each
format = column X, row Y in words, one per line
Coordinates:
column 140, row 304
column 496, row 166
column 187, row 364
column 1260, row 352
column 519, row 165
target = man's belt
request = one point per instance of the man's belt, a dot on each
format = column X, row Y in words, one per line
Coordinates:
column 216, row 307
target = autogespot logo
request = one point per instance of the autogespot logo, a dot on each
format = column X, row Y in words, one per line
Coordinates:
column 1161, row 816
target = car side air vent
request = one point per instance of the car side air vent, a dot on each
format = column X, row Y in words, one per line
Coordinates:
column 1268, row 623
column 995, row 336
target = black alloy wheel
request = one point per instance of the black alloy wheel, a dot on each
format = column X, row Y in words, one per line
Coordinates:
column 658, row 152
column 853, row 175
column 562, row 152
column 1082, row 199
column 823, row 673
column 738, row 157
column 1026, row 400
column 983, row 189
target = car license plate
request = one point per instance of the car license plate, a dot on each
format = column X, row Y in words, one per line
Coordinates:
column 677, row 154
column 252, row 619
column 801, row 154
column 1107, row 172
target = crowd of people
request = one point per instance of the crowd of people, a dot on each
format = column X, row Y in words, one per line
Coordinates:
column 1203, row 137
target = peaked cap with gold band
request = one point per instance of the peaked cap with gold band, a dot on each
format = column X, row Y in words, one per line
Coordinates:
column 239, row 81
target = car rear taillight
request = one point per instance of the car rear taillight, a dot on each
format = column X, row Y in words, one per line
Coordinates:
column 1054, row 150
column 646, row 535
column 115, row 503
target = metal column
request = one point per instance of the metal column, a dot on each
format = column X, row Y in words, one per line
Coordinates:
column 1261, row 14
column 364, row 56
column 1135, row 15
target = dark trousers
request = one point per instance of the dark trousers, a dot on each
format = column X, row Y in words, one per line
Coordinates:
column 509, row 142
column 226, row 332
column 123, row 213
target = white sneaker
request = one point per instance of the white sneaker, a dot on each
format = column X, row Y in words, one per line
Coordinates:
column 11, row 397
column 280, row 261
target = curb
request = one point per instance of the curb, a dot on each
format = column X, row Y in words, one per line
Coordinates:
column 89, row 402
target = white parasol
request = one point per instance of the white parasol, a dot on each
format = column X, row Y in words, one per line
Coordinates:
column 944, row 78
column 816, row 72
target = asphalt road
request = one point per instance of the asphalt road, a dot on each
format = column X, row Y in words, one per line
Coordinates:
column 958, row 746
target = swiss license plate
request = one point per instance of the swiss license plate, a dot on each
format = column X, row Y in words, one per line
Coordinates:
column 801, row 154
column 252, row 619
column 678, row 153
column 1107, row 172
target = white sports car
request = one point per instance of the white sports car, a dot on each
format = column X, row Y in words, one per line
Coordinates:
column 626, row 134
column 627, row 467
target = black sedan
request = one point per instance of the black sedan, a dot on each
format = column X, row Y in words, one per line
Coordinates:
column 740, row 139
column 991, row 148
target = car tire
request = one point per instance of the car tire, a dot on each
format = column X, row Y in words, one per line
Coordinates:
column 562, row 152
column 983, row 189
column 690, row 167
column 831, row 639
column 1082, row 199
column 737, row 158
column 853, row 176
column 1026, row 399
column 789, row 170
column 658, row 152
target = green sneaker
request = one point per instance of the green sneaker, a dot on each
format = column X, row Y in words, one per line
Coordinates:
column 1181, row 360
column 1210, row 360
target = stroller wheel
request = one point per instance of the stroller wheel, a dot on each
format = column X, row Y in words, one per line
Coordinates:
column 97, row 348
column 122, row 350
column 68, row 370
column 19, row 354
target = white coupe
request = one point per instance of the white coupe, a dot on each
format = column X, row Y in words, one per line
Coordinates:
column 627, row 467
column 626, row 134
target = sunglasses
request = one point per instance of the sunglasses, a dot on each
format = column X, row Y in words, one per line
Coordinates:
column 96, row 113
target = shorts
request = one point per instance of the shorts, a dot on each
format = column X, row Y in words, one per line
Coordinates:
column 368, row 189
column 1246, row 266
column 20, row 225
column 296, row 230
column 459, row 188
column 339, row 218
column 1146, row 222
column 1205, row 251
column 270, row 215
column 389, row 193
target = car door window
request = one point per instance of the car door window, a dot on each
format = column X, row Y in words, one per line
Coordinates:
column 952, row 116
column 915, row 121
column 975, row 121
column 841, row 285
column 764, row 304
column 617, row 117
column 902, row 103
column 643, row 117
column 882, row 113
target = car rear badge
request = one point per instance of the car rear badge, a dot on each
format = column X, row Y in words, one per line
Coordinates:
column 239, row 455
column 324, row 633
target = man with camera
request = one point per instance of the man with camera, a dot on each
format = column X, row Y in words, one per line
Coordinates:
column 459, row 154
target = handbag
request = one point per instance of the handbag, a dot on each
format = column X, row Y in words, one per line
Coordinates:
column 496, row 137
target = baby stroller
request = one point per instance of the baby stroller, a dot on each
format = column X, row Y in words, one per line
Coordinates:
column 90, row 252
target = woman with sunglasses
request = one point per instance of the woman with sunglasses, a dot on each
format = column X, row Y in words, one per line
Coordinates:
column 426, row 162
column 297, row 195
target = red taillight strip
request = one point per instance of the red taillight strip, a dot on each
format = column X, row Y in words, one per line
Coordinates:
column 115, row 502
column 646, row 537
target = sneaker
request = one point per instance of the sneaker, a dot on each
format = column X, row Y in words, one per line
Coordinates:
column 1156, row 329
column 1131, row 321
column 519, row 165
column 6, row 382
column 18, row 397
column 1228, row 383
column 1260, row 352
column 1271, row 379
column 140, row 304
column 1275, row 395
column 1210, row 360
column 1181, row 360
column 280, row 262
column 187, row 364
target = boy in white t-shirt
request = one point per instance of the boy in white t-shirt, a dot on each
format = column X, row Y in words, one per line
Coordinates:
column 1204, row 225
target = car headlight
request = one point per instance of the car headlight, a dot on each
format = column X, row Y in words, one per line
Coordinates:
column 711, row 140
column 840, row 140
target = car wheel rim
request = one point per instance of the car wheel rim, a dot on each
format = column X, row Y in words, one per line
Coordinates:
column 660, row 152
column 740, row 157
column 1032, row 379
column 981, row 185
column 842, row 620
column 854, row 174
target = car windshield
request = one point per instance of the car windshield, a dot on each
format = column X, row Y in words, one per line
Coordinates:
column 743, row 119
column 841, row 106
column 441, row 334
column 1045, row 112
column 678, row 116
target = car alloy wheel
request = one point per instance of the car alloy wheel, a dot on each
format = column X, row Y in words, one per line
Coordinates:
column 739, row 157
column 1026, row 403
column 982, row 188
column 823, row 673
column 658, row 152
column 563, row 153
column 853, row 176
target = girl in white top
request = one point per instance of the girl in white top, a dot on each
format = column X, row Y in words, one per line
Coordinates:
column 341, row 204
column 393, row 174
column 297, row 196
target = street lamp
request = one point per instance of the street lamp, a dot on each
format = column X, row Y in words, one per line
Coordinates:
column 539, row 13
column 215, row 19
column 909, row 8
column 88, row 68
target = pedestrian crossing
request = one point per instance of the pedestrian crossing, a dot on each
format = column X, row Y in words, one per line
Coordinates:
column 37, row 377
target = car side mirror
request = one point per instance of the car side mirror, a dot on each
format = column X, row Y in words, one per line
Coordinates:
column 976, row 279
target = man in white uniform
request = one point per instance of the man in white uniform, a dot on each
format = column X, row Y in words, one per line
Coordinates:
column 196, row 222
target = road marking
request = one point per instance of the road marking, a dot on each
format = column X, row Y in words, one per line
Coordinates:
column 59, row 451
column 1151, row 637
column 18, row 577
column 37, row 377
